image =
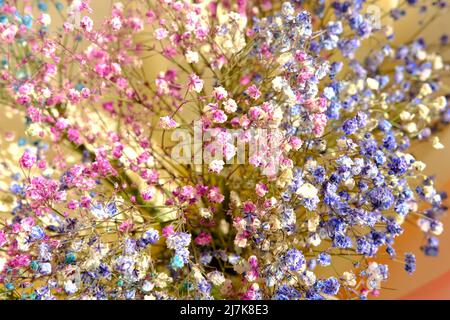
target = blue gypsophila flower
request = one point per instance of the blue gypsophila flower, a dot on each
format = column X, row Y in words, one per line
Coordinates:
column 335, row 68
column 361, row 119
column 366, row 247
column 311, row 264
column 42, row 6
column 130, row 246
column 333, row 110
column 350, row 126
column 341, row 241
column 324, row 259
column 335, row 28
column 151, row 236
column 294, row 260
column 410, row 263
column 397, row 165
column 329, row 93
column 204, row 287
column 176, row 262
column 37, row 233
column 330, row 286
column 432, row 247
column 27, row 20
column 401, row 207
column 348, row 46
column 381, row 198
column 286, row 292
column 368, row 147
column 319, row 174
column 313, row 295
column 390, row 251
column 178, row 240
column 206, row 257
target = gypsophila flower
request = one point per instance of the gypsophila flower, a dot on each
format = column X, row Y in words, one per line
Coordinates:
column 270, row 144
column 410, row 263
column 294, row 260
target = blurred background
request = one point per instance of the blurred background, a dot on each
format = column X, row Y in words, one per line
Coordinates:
column 432, row 277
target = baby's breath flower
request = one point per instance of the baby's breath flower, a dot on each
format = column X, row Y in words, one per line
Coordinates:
column 309, row 161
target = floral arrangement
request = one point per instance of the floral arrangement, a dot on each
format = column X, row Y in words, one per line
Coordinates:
column 273, row 147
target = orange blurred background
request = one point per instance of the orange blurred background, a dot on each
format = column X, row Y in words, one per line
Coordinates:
column 432, row 277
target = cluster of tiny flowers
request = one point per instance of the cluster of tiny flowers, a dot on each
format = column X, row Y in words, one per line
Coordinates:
column 93, row 204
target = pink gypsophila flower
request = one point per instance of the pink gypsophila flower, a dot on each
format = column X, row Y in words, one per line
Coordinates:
column 195, row 83
column 28, row 159
column 3, row 239
column 253, row 92
column 42, row 191
column 203, row 239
